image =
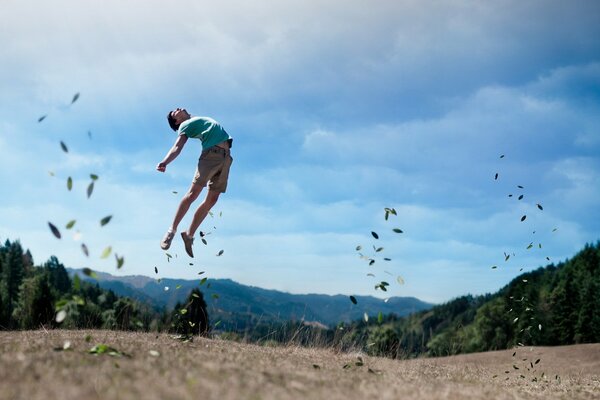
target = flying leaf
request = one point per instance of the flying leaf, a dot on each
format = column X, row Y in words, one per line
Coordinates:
column 94, row 177
column 168, row 255
column 183, row 311
column 203, row 281
column 70, row 224
column 369, row 274
column 106, row 252
column 496, row 176
column 353, row 299
column 378, row 249
column 371, row 262
column 520, row 197
column 120, row 261
column 554, row 230
column 366, row 317
column 105, row 220
column 220, row 253
column 90, row 273
column 215, row 296
column 200, row 273
column 387, row 259
column 204, row 241
column 90, row 134
column 156, row 270
column 69, row 183
column 90, row 189
column 502, row 156
column 398, row 230
column 400, row 280
column 494, row 266
column 166, row 288
column 358, row 248
column 177, row 287
column 54, row 230
column 540, row 206
column 380, row 317
column 64, row 146
column 85, row 250
column 75, row 97
column 175, row 192
column 520, row 187
column 523, row 218
column 375, row 235
column 60, row 316
column 530, row 245
column 515, row 320
column 43, row 117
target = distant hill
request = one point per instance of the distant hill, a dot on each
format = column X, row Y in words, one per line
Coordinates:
column 243, row 306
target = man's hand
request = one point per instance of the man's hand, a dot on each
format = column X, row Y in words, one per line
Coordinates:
column 161, row 167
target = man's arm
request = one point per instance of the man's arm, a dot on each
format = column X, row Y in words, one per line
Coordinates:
column 173, row 153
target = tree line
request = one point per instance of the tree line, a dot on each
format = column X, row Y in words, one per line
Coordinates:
column 32, row 297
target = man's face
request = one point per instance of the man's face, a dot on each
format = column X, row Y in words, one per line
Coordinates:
column 180, row 115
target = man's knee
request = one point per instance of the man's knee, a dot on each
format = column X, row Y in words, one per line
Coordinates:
column 194, row 192
column 212, row 198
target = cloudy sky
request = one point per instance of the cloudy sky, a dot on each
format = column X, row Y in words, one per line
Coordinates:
column 338, row 109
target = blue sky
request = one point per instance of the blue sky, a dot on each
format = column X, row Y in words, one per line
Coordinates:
column 338, row 109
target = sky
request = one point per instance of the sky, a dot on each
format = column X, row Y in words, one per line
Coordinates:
column 338, row 110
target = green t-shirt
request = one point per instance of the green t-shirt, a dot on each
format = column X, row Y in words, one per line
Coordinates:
column 209, row 131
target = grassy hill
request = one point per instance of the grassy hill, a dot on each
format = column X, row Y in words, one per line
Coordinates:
column 150, row 366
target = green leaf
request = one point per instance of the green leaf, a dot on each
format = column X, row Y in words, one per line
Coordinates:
column 375, row 235
column 106, row 252
column 70, row 224
column 120, row 261
column 195, row 295
column 183, row 311
column 54, row 230
column 94, row 177
column 380, row 317
column 378, row 249
column 177, row 287
column 88, row 338
column 203, row 281
column 530, row 245
column 105, row 220
column 90, row 189
column 217, row 324
column 64, row 147
column 215, row 296
column 90, row 273
column 398, row 230
column 168, row 255
column 353, row 299
column 69, row 183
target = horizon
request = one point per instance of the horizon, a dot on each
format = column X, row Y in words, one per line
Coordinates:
column 337, row 110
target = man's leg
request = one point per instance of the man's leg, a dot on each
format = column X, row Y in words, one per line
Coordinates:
column 185, row 204
column 210, row 200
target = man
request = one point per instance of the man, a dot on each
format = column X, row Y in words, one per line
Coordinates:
column 212, row 171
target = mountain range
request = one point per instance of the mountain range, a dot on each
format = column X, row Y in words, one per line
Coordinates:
column 240, row 306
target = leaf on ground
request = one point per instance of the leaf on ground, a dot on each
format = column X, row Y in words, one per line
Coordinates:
column 105, row 349
column 316, row 366
column 69, row 183
column 63, row 146
column 90, row 189
column 375, row 235
column 353, row 299
column 54, row 230
column 106, row 252
column 105, row 220
column 85, row 250
column 70, row 224
column 154, row 353
column 75, row 97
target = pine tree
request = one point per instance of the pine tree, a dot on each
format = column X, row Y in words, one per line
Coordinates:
column 12, row 277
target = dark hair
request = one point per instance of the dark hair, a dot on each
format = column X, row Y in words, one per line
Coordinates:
column 174, row 125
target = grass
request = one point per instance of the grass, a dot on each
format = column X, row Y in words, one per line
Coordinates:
column 31, row 368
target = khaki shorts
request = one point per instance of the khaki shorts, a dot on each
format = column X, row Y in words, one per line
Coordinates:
column 213, row 169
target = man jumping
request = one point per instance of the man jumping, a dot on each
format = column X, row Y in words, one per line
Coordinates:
column 212, row 171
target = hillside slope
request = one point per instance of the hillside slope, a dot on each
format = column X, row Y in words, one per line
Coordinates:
column 216, row 369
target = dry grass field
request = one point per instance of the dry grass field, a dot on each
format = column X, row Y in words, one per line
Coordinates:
column 160, row 367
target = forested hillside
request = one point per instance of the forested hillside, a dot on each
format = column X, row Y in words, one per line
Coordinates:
column 555, row 305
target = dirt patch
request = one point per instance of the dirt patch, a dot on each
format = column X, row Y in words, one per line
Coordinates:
column 31, row 368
